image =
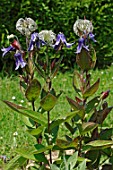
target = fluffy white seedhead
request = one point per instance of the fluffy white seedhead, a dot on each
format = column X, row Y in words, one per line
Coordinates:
column 47, row 36
column 26, row 26
column 82, row 26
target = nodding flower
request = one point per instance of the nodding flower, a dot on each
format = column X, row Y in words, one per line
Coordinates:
column 61, row 41
column 35, row 41
column 18, row 56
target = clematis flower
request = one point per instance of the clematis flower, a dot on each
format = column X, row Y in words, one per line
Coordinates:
column 81, row 44
column 35, row 40
column 19, row 60
column 26, row 26
column 7, row 50
column 60, row 41
column 47, row 36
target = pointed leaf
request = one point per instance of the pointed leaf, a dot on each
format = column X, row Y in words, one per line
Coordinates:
column 40, row 71
column 76, row 107
column 33, row 90
column 36, row 131
column 70, row 128
column 56, row 67
column 98, row 144
column 88, row 126
column 82, row 166
column 37, row 117
column 76, row 82
column 66, row 144
column 54, row 167
column 72, row 160
column 17, row 161
column 28, row 122
column 91, row 90
column 48, row 102
column 92, row 104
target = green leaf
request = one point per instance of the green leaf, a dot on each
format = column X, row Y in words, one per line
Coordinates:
column 54, row 167
column 98, row 144
column 84, row 60
column 76, row 107
column 33, row 90
column 28, row 153
column 82, row 166
column 37, row 117
column 41, row 148
column 92, row 104
column 72, row 160
column 70, row 128
column 63, row 144
column 48, row 102
column 17, row 161
column 36, row 131
column 106, row 134
column 28, row 122
column 56, row 67
column 40, row 71
column 76, row 82
column 88, row 126
column 92, row 89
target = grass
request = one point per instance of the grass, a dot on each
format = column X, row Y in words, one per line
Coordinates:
column 11, row 121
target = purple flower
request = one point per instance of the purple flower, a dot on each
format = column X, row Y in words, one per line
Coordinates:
column 81, row 44
column 6, row 50
column 19, row 60
column 35, row 40
column 91, row 36
column 60, row 41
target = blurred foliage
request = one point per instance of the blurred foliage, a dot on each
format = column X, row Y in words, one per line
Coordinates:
column 60, row 15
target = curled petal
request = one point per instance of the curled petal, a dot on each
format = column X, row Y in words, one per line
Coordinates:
column 91, row 36
column 60, row 41
column 19, row 60
column 6, row 50
column 35, row 39
column 81, row 44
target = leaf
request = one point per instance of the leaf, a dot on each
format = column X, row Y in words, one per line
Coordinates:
column 17, row 161
column 76, row 107
column 92, row 104
column 54, row 167
column 28, row 153
column 33, row 90
column 40, row 71
column 82, row 166
column 41, row 148
column 84, row 60
column 92, row 89
column 76, row 82
column 106, row 134
column 48, row 102
column 37, row 117
column 56, row 67
column 70, row 128
column 72, row 160
column 98, row 144
column 63, row 144
column 28, row 122
column 36, row 131
column 88, row 126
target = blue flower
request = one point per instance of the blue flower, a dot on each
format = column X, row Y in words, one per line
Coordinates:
column 8, row 49
column 19, row 60
column 18, row 56
column 81, row 44
column 35, row 40
column 60, row 41
column 91, row 36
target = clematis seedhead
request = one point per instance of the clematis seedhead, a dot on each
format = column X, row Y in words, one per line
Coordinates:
column 26, row 26
column 82, row 27
column 47, row 36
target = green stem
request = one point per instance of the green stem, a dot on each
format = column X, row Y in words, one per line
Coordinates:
column 33, row 105
column 49, row 141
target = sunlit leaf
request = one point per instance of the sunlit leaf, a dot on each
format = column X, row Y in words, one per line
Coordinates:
column 92, row 104
column 33, row 90
column 48, row 102
column 92, row 89
column 88, row 126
